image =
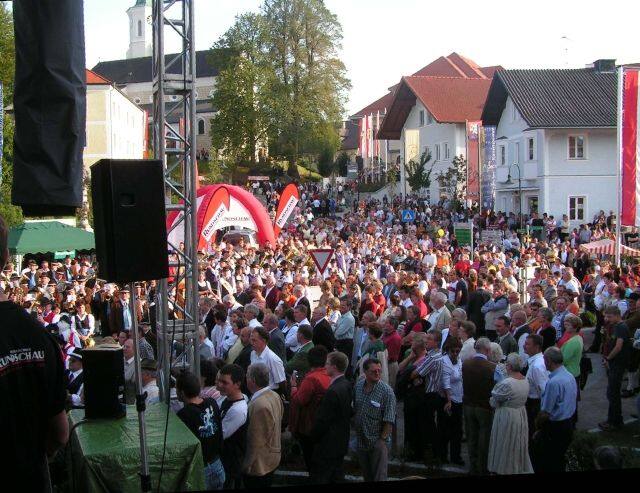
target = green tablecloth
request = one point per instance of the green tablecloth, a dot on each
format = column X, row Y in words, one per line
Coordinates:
column 106, row 453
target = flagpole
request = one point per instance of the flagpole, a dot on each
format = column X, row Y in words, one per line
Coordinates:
column 619, row 165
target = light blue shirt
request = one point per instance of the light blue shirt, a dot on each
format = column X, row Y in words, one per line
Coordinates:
column 345, row 327
column 559, row 395
column 126, row 316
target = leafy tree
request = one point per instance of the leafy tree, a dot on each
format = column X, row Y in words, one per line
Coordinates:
column 418, row 176
column 342, row 163
column 11, row 213
column 242, row 120
column 326, row 164
column 281, row 83
column 453, row 182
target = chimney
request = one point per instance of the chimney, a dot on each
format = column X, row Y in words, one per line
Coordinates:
column 604, row 65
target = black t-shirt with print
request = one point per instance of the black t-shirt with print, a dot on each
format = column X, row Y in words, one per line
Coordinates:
column 32, row 390
column 205, row 422
column 620, row 331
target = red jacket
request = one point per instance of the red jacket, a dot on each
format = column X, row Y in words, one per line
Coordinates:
column 393, row 343
column 306, row 400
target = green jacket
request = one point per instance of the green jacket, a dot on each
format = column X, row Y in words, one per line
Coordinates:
column 300, row 361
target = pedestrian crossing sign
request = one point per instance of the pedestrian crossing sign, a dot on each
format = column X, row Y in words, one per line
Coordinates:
column 408, row 216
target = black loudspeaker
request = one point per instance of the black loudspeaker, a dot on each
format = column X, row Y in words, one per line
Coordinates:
column 129, row 219
column 103, row 370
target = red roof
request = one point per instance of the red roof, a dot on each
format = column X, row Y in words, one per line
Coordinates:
column 452, row 65
column 448, row 99
column 380, row 105
column 93, row 78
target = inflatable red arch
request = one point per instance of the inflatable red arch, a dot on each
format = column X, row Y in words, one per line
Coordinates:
column 221, row 206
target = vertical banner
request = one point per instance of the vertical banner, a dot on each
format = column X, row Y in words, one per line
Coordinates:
column 288, row 201
column 628, row 138
column 360, row 137
column 1, row 129
column 145, row 136
column 473, row 160
column 488, row 168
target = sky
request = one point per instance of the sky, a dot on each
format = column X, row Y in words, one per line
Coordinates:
column 387, row 39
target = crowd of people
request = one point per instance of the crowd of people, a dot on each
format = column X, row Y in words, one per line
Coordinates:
column 483, row 345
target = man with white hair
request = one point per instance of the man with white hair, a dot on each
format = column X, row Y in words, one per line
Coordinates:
column 205, row 348
column 440, row 316
column 271, row 293
column 301, row 299
column 478, row 380
column 554, row 424
column 251, row 313
column 569, row 282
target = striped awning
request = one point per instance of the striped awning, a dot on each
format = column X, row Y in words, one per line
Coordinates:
column 608, row 247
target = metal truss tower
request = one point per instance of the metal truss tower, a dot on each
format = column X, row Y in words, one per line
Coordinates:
column 174, row 120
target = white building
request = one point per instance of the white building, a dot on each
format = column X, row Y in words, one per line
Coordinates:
column 558, row 129
column 133, row 75
column 140, row 29
column 429, row 113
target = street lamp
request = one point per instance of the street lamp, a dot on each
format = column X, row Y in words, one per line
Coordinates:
column 509, row 182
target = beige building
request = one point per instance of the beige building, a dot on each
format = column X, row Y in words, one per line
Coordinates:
column 115, row 128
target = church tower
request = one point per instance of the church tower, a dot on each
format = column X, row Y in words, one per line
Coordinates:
column 140, row 29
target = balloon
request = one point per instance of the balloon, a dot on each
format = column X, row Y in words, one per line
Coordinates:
column 440, row 233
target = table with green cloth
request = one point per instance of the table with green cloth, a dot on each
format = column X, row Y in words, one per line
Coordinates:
column 105, row 454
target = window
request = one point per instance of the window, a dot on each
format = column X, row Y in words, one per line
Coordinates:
column 514, row 112
column 503, row 156
column 200, row 127
column 577, row 147
column 516, row 158
column 429, row 118
column 427, row 151
column 446, row 150
column 577, row 208
column 437, row 150
column 530, row 149
column 422, row 118
column 139, row 28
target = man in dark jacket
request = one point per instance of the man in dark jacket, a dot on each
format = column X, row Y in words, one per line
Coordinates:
column 331, row 430
column 474, row 306
column 477, row 380
column 276, row 337
column 322, row 332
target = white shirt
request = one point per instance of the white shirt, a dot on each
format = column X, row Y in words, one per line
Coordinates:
column 274, row 363
column 467, row 350
column 235, row 417
column 537, row 376
column 406, row 303
column 254, row 323
column 521, row 353
column 452, row 378
column 153, row 392
column 76, row 400
column 434, row 316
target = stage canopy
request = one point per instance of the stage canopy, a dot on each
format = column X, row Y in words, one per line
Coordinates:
column 48, row 236
column 608, row 247
column 221, row 206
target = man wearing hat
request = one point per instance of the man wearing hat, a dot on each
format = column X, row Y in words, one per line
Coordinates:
column 75, row 385
column 149, row 370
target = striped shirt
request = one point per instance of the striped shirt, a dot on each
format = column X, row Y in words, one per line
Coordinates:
column 371, row 411
column 431, row 370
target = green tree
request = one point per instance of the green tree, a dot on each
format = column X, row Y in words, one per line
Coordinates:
column 342, row 163
column 308, row 84
column 453, row 182
column 418, row 176
column 242, row 121
column 326, row 164
column 11, row 213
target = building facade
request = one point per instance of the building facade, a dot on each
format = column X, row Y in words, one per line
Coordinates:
column 133, row 77
column 556, row 141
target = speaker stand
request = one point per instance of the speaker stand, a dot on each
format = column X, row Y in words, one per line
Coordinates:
column 145, row 477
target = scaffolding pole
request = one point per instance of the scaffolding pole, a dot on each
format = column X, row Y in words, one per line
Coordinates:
column 174, row 120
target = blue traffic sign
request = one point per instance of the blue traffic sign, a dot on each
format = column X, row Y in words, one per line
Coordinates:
column 408, row 216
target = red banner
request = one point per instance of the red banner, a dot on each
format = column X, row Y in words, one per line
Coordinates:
column 473, row 160
column 219, row 204
column 629, row 139
column 288, row 201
